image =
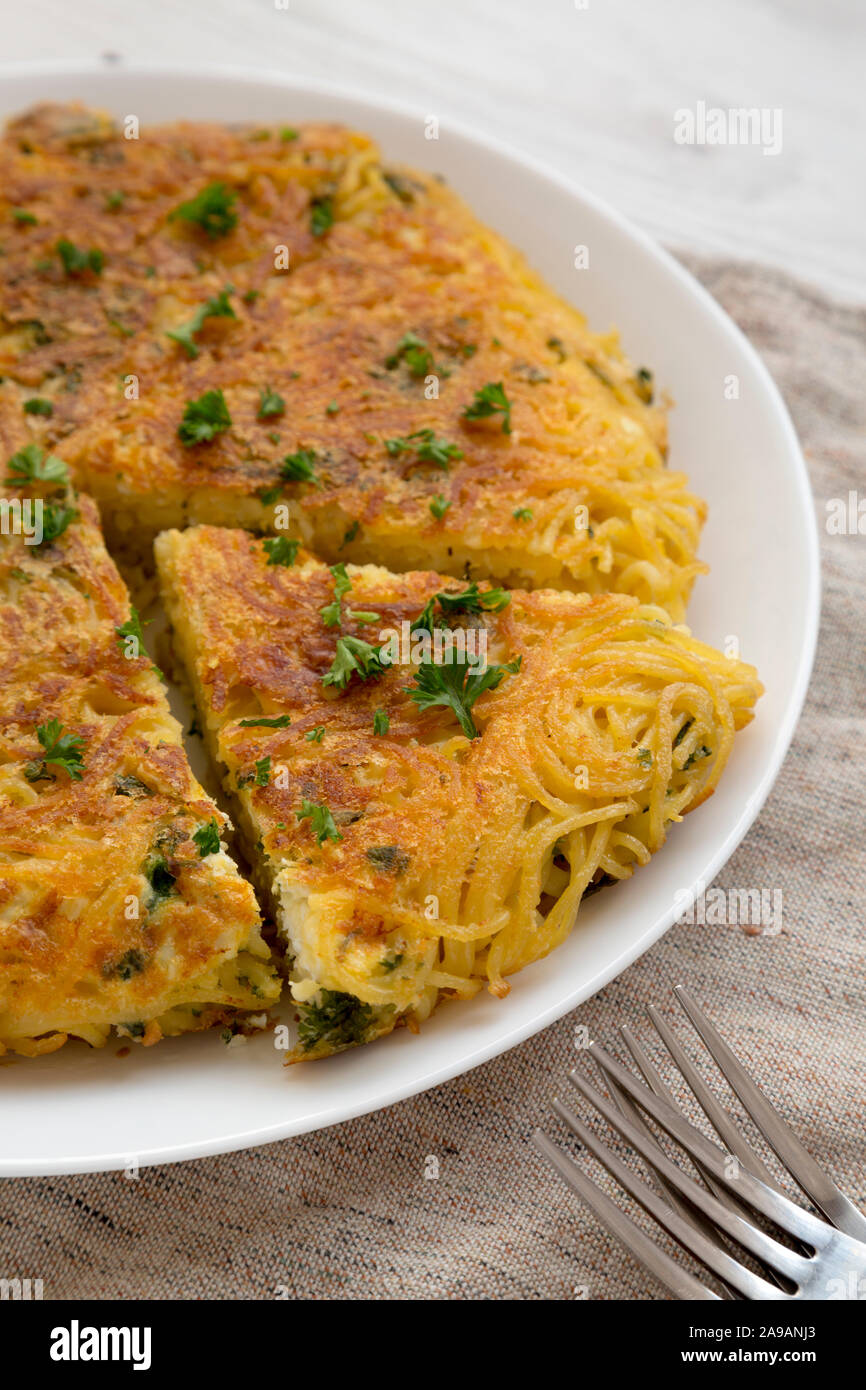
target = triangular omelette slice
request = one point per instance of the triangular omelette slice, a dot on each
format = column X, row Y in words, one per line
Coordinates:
column 119, row 906
column 426, row 827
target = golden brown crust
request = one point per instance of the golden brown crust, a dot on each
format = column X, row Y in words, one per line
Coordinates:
column 576, row 495
column 89, row 936
column 421, row 810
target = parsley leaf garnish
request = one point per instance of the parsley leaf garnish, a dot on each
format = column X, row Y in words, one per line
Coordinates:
column 490, row 400
column 216, row 308
column 281, row 550
column 263, row 770
column 474, row 600
column 439, row 506
column 381, row 722
column 430, row 450
column 60, row 750
column 457, row 685
column 321, row 215
column 415, row 353
column 332, row 615
column 322, row 823
column 131, row 629
column 32, row 465
column 353, row 655
column 207, row 837
column 270, row 403
column 24, row 218
column 316, row 734
column 212, row 210
column 299, row 467
column 38, row 405
column 522, row 514
column 204, row 419
column 56, row 516
column 76, row 261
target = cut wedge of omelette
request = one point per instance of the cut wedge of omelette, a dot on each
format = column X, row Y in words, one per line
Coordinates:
column 119, row 906
column 243, row 326
column 424, row 827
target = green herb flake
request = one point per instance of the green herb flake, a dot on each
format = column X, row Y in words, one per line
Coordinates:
column 280, row 550
column 59, row 750
column 522, row 514
column 212, row 210
column 316, row 734
column 32, row 465
column 321, row 216
column 353, row 657
column 76, row 262
column 216, row 308
column 381, row 722
column 204, row 419
column 299, row 467
column 207, row 837
column 270, row 404
column 439, row 506
column 336, row 1020
column 457, row 685
column 24, row 218
column 488, row 401
column 38, row 405
column 322, row 823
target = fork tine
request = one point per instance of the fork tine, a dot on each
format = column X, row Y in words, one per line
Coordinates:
column 720, row 1120
column 813, row 1180
column 756, row 1241
column 774, row 1205
column 719, row 1262
column 668, row 1191
column 680, row 1281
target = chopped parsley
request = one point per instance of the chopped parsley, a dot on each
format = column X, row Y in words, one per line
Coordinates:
column 430, row 449
column 321, row 215
column 351, row 534
column 381, row 722
column 279, row 721
column 439, row 506
column 24, row 218
column 353, row 656
column 332, row 408
column 322, row 823
column 204, row 418
column 281, row 550
column 414, row 352
column 474, row 600
column 212, row 210
column 131, row 963
column 207, row 837
column 32, row 465
column 645, row 757
column 522, row 514
column 159, row 876
column 131, row 629
column 263, row 770
column 76, row 262
column 682, row 733
column 270, row 403
column 457, row 685
column 702, row 752
column 114, row 200
column 332, row 614
column 216, row 308
column 316, row 734
column 288, row 133
column 38, row 405
column 56, row 516
column 299, row 467
column 340, row 1020
column 126, row 784
column 59, row 750
column 490, row 400
column 558, row 346
column 644, row 385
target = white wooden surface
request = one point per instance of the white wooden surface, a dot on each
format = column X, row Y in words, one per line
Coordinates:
column 589, row 86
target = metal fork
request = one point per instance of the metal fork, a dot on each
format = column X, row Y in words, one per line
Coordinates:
column 705, row 1219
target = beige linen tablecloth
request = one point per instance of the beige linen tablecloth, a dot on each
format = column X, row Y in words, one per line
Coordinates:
column 349, row 1213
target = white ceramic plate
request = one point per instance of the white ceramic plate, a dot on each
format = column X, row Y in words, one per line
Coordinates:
column 80, row 1110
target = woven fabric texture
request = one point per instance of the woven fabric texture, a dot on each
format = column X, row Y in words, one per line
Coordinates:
column 442, row 1196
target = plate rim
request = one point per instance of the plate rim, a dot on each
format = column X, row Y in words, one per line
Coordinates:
column 421, row 1080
